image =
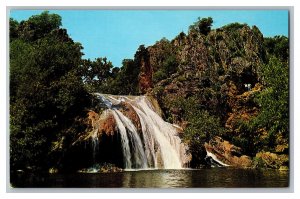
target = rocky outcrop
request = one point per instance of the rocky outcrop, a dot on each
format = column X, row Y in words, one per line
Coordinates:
column 105, row 123
column 129, row 112
column 241, row 106
column 221, row 71
column 97, row 125
column 213, row 68
column 146, row 71
column 228, row 153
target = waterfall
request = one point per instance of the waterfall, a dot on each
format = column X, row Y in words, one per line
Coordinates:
column 214, row 161
column 163, row 133
column 155, row 144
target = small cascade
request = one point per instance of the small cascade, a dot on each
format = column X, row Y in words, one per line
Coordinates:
column 95, row 144
column 95, row 141
column 214, row 161
column 155, row 144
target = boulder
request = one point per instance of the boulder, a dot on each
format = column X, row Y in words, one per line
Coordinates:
column 228, row 153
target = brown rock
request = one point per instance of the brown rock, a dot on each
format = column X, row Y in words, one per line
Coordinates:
column 145, row 76
column 107, row 125
column 129, row 112
column 228, row 153
column 99, row 124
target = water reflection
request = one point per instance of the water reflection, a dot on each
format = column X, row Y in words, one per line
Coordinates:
column 157, row 178
column 215, row 177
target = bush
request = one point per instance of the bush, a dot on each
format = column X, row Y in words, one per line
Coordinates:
column 232, row 27
column 202, row 25
column 274, row 101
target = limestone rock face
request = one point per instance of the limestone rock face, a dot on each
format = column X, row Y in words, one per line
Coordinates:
column 228, row 153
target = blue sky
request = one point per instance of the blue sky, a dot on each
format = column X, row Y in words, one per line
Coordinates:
column 116, row 34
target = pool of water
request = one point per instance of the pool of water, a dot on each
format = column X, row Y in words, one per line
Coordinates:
column 186, row 178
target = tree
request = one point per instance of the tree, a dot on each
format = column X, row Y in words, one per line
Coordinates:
column 38, row 26
column 278, row 46
column 125, row 81
column 46, row 91
column 201, row 126
column 202, row 25
column 13, row 29
column 96, row 74
column 274, row 101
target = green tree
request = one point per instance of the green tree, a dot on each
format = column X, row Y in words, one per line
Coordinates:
column 274, row 101
column 38, row 26
column 278, row 46
column 201, row 126
column 46, row 90
column 13, row 29
column 126, row 79
column 96, row 74
column 202, row 25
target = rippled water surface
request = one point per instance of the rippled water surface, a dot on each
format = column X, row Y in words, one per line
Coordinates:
column 214, row 177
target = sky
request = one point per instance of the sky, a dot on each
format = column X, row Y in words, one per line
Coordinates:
column 117, row 34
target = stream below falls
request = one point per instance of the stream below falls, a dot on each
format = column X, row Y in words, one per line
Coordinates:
column 159, row 178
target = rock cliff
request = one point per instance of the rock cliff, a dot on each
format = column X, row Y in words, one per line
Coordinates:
column 221, row 71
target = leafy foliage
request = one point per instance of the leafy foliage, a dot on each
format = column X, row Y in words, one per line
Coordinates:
column 126, row 81
column 46, row 91
column 38, row 26
column 201, row 125
column 278, row 46
column 95, row 74
column 232, row 27
column 202, row 25
column 271, row 126
column 274, row 100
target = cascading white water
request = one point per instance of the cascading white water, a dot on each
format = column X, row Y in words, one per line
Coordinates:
column 163, row 133
column 137, row 146
column 214, row 157
column 156, row 146
column 124, row 141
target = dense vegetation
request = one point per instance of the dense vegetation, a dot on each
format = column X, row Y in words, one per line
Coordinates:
column 46, row 91
column 198, row 80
